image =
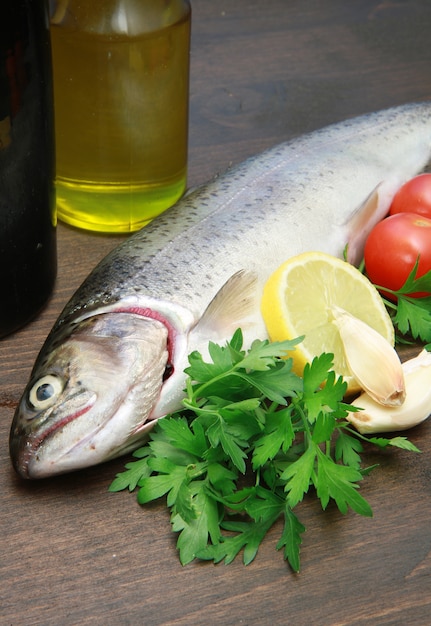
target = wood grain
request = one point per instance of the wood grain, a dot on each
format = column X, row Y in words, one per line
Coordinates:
column 70, row 552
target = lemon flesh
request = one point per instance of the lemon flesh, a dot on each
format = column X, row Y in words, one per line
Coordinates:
column 299, row 297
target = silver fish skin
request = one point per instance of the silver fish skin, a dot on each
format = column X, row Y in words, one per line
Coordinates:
column 114, row 360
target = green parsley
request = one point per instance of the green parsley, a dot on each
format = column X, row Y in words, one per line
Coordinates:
column 411, row 316
column 252, row 440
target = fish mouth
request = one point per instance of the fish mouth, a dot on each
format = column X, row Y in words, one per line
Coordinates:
column 25, row 453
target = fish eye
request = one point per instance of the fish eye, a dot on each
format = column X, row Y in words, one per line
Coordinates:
column 45, row 392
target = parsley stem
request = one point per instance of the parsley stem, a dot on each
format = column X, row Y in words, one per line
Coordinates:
column 305, row 422
column 355, row 432
column 200, row 390
column 385, row 289
column 389, row 304
column 257, row 481
column 195, row 470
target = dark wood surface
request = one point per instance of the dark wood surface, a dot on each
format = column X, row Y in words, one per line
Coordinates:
column 70, row 552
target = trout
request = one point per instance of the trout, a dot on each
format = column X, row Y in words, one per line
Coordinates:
column 114, row 361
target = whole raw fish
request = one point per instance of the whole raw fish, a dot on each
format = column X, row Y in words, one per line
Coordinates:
column 114, row 361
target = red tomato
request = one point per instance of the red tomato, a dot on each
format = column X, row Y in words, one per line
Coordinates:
column 413, row 197
column 392, row 249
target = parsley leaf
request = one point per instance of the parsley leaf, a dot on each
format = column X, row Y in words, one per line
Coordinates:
column 130, row 478
column 411, row 316
column 290, row 539
column 340, row 483
column 278, row 435
column 253, row 439
column 348, row 449
column 397, row 442
column 194, row 533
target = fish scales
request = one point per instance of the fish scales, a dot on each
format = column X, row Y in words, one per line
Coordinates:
column 196, row 272
column 251, row 202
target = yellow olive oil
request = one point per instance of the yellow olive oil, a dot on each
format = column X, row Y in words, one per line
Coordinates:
column 121, row 112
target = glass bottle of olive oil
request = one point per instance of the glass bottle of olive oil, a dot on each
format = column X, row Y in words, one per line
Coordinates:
column 121, row 84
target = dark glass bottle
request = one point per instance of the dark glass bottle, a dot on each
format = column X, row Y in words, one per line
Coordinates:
column 27, row 204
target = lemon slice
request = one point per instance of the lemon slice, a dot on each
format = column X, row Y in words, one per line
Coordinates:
column 299, row 299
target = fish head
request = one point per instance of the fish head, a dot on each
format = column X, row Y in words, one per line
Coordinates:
column 89, row 394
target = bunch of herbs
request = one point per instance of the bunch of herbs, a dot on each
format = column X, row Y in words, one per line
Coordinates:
column 251, row 440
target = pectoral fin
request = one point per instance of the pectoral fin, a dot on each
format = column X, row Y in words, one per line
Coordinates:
column 374, row 208
column 235, row 305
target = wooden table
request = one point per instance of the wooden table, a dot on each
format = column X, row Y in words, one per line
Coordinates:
column 72, row 553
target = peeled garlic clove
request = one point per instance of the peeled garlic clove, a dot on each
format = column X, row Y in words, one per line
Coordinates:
column 371, row 359
column 375, row 418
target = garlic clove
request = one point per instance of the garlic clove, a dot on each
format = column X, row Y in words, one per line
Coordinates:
column 371, row 359
column 375, row 418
